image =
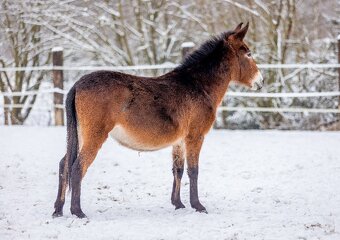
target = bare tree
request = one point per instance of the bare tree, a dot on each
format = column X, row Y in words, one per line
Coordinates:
column 284, row 32
column 22, row 46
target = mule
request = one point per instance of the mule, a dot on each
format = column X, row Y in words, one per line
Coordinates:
column 149, row 113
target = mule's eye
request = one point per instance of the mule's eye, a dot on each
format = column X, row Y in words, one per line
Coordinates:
column 249, row 54
column 242, row 48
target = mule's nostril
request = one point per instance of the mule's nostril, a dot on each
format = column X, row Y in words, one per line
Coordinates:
column 257, row 82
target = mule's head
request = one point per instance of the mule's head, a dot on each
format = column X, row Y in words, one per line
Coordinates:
column 244, row 68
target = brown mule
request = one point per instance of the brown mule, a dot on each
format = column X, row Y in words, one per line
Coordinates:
column 146, row 114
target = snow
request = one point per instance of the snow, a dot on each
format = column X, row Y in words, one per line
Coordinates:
column 187, row 45
column 254, row 184
column 57, row 49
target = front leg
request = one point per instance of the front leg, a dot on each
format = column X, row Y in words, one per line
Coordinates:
column 177, row 169
column 193, row 146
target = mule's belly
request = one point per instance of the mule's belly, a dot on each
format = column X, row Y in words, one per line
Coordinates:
column 141, row 141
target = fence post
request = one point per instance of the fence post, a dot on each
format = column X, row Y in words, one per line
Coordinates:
column 339, row 67
column 58, row 83
column 187, row 47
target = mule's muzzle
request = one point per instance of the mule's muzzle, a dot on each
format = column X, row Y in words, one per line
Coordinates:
column 257, row 82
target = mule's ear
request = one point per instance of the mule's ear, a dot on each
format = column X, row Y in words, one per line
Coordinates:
column 238, row 28
column 242, row 32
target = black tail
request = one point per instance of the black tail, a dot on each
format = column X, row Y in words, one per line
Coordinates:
column 72, row 133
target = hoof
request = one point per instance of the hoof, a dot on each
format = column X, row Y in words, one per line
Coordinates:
column 199, row 208
column 178, row 204
column 202, row 211
column 79, row 213
column 57, row 214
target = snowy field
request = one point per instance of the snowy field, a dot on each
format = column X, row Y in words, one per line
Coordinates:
column 254, row 184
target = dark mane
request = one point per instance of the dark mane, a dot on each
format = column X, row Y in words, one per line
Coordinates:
column 206, row 51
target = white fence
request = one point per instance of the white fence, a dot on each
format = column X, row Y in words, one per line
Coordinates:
column 159, row 66
column 170, row 66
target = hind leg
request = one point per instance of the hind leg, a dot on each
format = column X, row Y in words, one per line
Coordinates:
column 92, row 143
column 177, row 170
column 59, row 203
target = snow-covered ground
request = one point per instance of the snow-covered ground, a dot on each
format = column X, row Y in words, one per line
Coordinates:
column 254, row 184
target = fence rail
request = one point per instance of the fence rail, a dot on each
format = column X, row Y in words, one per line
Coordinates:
column 229, row 93
column 281, row 110
column 221, row 108
column 159, row 66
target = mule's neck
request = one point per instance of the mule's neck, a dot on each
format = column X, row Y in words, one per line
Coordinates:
column 214, row 82
column 217, row 84
column 210, row 68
